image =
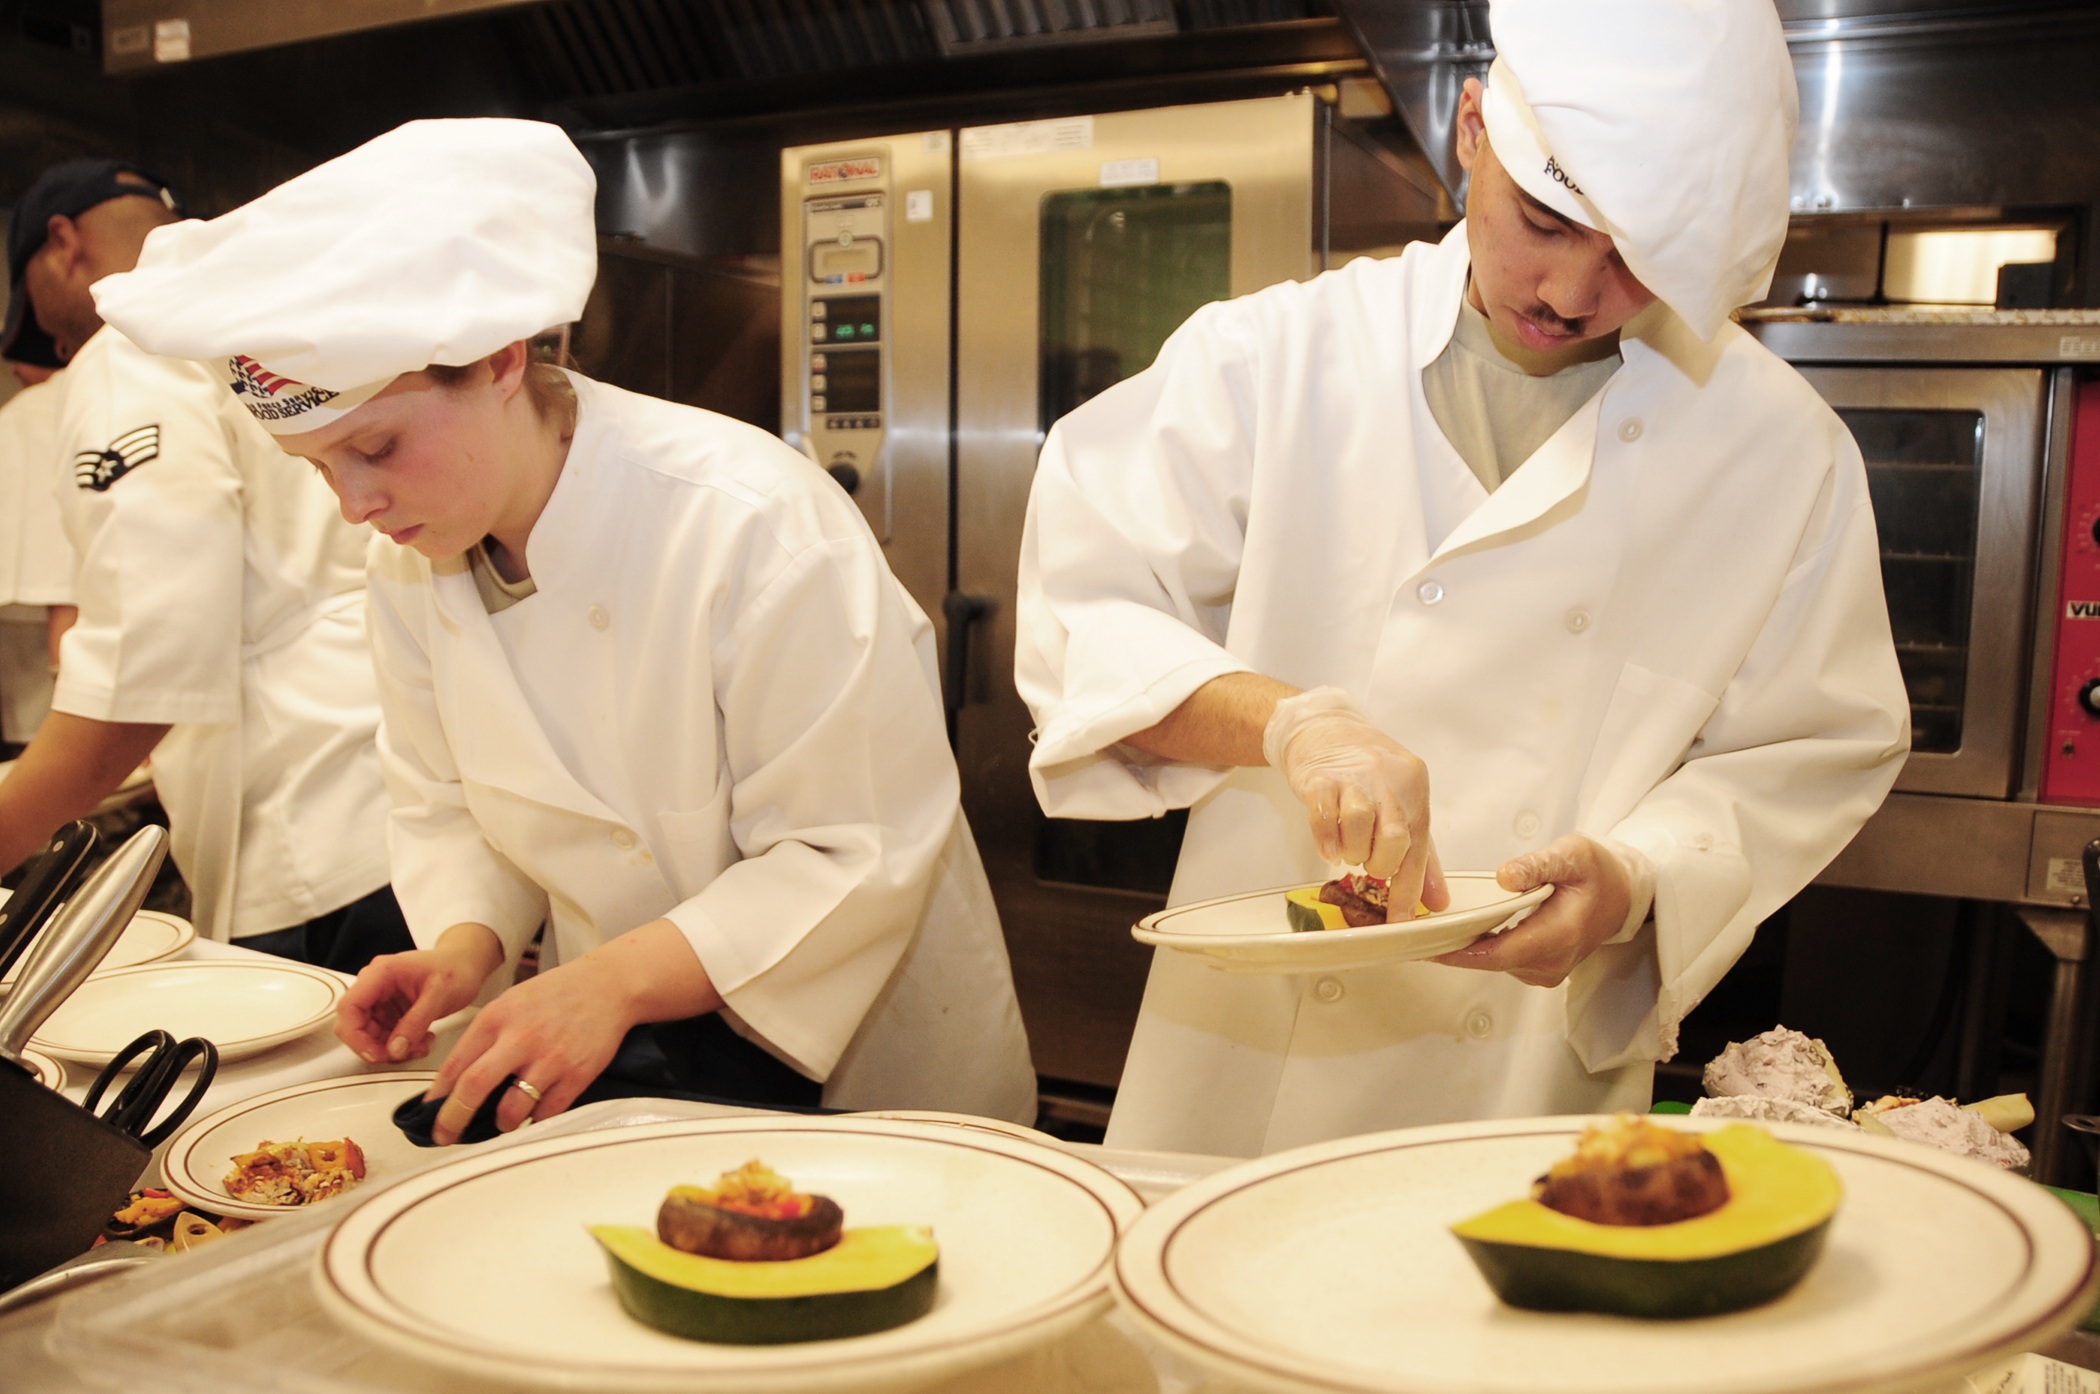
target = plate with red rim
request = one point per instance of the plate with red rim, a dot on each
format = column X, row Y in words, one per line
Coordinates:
column 1332, row 1269
column 357, row 1107
column 484, row 1265
column 1251, row 933
column 152, row 937
column 241, row 1006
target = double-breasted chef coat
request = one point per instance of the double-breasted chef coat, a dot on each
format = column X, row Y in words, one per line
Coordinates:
column 1665, row 628
column 221, row 592
column 719, row 707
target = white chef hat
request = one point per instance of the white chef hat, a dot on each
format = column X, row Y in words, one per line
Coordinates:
column 1664, row 123
column 436, row 243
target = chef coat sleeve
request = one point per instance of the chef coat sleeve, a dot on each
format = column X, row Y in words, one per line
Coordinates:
column 1129, row 558
column 444, row 871
column 1802, row 747
column 154, row 516
column 843, row 795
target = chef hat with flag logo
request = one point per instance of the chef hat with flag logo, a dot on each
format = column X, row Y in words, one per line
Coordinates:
column 1663, row 123
column 436, row 243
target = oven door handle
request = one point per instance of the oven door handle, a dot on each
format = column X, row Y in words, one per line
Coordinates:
column 962, row 612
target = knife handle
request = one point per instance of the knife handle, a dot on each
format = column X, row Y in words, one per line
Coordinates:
column 75, row 942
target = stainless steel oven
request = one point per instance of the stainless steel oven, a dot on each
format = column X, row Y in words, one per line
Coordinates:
column 947, row 295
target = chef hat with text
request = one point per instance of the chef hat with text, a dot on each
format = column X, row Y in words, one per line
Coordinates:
column 1664, row 123
column 436, row 243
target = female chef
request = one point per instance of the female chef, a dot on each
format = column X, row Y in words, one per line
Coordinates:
column 646, row 677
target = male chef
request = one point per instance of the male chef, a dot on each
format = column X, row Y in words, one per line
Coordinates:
column 1508, row 555
column 221, row 611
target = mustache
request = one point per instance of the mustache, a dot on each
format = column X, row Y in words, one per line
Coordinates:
column 1550, row 320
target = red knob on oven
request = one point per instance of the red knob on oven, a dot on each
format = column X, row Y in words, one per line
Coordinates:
column 2089, row 697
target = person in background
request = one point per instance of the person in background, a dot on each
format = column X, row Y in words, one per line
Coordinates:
column 221, row 611
column 648, row 679
column 1510, row 554
column 36, row 561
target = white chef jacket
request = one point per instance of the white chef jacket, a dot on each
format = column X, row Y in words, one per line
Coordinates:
column 1666, row 628
column 36, row 562
column 718, row 707
column 220, row 591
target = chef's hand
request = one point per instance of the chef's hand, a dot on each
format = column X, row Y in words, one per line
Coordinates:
column 1366, row 796
column 1593, row 892
column 388, row 1011
column 558, row 1030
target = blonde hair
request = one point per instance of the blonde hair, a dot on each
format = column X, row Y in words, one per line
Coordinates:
column 547, row 387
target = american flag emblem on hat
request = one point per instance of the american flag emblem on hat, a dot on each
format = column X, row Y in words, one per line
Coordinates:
column 252, row 377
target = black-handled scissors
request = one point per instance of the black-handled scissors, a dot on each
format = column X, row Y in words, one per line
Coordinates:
column 161, row 1062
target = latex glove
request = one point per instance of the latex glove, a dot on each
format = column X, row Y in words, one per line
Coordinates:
column 1601, row 894
column 1366, row 796
column 388, row 1011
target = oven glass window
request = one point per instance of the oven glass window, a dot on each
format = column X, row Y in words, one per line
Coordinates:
column 1121, row 269
column 1922, row 468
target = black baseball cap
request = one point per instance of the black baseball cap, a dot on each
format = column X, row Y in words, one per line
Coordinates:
column 64, row 190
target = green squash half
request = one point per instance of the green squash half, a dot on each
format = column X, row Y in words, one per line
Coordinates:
column 1308, row 913
column 1751, row 1250
column 871, row 1280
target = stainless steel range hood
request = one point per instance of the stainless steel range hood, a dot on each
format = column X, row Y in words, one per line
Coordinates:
column 145, row 34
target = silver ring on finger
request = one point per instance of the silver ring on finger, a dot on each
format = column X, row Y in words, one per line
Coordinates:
column 528, row 1090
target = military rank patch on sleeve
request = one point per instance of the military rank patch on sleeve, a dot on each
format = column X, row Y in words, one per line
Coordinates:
column 98, row 469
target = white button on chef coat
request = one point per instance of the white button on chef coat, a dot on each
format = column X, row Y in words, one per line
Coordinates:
column 1479, row 1023
column 1430, row 592
column 1526, row 825
column 599, row 619
column 1328, row 990
column 1630, row 429
column 1578, row 621
column 622, row 838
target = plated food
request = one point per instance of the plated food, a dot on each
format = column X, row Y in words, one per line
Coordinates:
column 295, row 1173
column 1646, row 1221
column 203, row 1163
column 752, row 1261
column 1334, row 1269
column 441, row 1267
column 1354, row 901
column 157, row 1220
column 1266, row 931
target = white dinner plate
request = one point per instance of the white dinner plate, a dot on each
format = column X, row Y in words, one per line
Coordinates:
column 151, row 937
column 242, row 1007
column 1251, row 933
column 48, row 1072
column 484, row 1265
column 360, row 1108
column 1333, row 1268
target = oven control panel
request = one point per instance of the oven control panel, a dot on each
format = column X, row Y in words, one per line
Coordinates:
column 844, row 273
column 2071, row 767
